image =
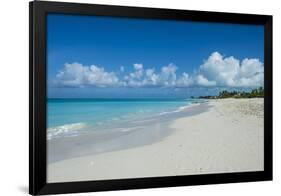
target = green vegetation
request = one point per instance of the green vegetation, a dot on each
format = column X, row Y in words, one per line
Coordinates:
column 259, row 92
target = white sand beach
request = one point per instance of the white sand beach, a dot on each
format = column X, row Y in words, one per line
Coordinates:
column 228, row 137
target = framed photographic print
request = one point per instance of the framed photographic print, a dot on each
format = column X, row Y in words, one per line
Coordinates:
column 127, row 97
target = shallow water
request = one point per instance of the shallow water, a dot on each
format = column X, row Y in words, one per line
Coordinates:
column 126, row 133
column 71, row 117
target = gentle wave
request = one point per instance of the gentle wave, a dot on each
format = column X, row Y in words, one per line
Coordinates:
column 68, row 130
column 75, row 129
column 180, row 109
column 127, row 129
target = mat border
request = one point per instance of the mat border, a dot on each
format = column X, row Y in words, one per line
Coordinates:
column 37, row 97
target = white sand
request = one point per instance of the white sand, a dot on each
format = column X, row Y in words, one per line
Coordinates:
column 226, row 138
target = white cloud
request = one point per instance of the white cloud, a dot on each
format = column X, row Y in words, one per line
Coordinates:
column 202, row 81
column 138, row 66
column 228, row 71
column 134, row 79
column 77, row 75
column 168, row 75
column 184, row 81
column 151, row 78
column 217, row 70
column 251, row 67
column 148, row 77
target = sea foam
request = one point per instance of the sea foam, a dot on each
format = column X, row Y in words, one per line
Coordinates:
column 67, row 130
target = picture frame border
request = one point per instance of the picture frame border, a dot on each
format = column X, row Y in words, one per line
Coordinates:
column 38, row 11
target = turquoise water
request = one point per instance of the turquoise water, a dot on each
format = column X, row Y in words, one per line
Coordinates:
column 64, row 115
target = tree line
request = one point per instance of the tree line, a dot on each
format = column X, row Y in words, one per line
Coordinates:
column 258, row 92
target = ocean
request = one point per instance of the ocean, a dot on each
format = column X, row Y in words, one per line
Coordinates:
column 71, row 117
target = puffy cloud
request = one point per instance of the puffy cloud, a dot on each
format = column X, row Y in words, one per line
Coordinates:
column 134, row 79
column 151, row 78
column 251, row 73
column 217, row 70
column 138, row 66
column 168, row 75
column 202, row 81
column 138, row 71
column 148, row 77
column 229, row 72
column 77, row 75
column 184, row 81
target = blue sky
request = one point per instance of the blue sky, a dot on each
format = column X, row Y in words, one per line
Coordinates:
column 94, row 56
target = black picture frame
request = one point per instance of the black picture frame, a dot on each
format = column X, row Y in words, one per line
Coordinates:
column 37, row 101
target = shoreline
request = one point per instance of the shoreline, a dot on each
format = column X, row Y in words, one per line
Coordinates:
column 119, row 136
column 226, row 137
